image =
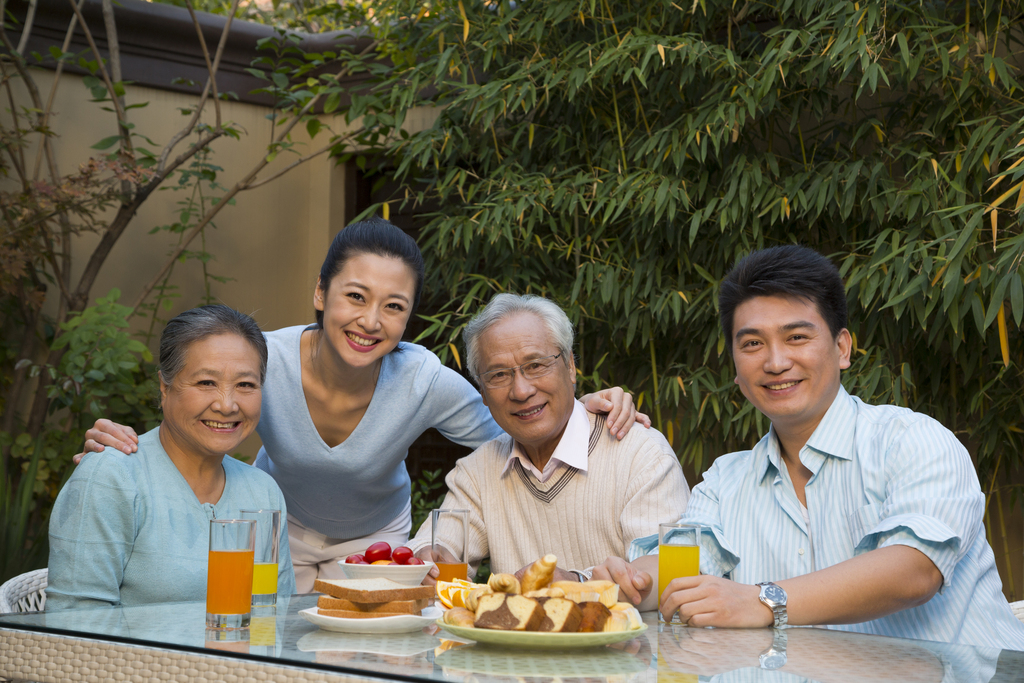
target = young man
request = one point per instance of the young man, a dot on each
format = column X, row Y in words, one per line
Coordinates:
column 868, row 517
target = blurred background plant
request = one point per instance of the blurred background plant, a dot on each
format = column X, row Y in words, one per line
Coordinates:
column 618, row 157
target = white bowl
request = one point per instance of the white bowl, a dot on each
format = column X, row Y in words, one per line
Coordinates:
column 407, row 574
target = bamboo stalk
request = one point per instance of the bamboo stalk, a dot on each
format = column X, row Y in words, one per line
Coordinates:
column 1006, row 545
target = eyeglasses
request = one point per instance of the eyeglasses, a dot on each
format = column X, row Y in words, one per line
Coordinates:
column 532, row 369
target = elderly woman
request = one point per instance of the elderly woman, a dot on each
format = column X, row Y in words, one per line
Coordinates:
column 131, row 530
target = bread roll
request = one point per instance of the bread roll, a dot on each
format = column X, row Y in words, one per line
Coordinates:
column 459, row 616
column 546, row 593
column 539, row 574
column 635, row 620
column 473, row 597
column 504, row 583
column 607, row 591
column 617, row 621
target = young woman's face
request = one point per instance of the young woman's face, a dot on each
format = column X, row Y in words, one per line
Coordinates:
column 366, row 307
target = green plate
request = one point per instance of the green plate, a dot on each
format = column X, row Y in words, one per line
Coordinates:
column 540, row 639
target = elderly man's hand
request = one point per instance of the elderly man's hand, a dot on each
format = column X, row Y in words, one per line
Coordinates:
column 106, row 433
column 618, row 404
column 428, row 555
column 558, row 575
column 713, row 601
column 634, row 584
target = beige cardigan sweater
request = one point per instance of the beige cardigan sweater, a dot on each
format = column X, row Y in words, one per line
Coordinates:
column 630, row 486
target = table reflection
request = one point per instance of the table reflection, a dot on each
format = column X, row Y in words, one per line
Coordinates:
column 815, row 654
column 662, row 654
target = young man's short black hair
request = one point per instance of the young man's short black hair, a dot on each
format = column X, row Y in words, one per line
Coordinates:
column 789, row 270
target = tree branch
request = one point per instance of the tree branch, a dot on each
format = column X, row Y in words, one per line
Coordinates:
column 297, row 162
column 126, row 142
column 240, row 186
column 30, row 18
column 211, row 83
column 45, row 120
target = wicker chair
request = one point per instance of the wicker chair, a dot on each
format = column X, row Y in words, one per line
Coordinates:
column 24, row 593
column 1018, row 609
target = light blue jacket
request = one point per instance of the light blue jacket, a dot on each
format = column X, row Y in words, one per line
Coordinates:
column 128, row 530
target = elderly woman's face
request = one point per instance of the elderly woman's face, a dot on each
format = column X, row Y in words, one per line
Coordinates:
column 213, row 403
column 534, row 412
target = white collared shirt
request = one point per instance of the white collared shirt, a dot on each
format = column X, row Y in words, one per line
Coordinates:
column 572, row 448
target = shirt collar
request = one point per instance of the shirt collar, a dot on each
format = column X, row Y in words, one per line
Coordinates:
column 833, row 435
column 572, row 448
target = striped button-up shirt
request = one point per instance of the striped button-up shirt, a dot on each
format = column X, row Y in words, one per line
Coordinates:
column 881, row 476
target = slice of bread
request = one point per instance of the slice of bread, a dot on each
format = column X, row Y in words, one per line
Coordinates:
column 393, row 607
column 372, row 590
column 350, row 614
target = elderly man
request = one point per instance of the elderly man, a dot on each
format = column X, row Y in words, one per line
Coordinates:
column 845, row 513
column 557, row 483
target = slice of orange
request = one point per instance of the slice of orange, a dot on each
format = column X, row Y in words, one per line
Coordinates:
column 453, row 593
column 382, row 562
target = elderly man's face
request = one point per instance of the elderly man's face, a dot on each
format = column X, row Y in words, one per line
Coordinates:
column 534, row 412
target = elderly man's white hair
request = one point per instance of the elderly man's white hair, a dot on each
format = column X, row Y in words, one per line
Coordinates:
column 505, row 305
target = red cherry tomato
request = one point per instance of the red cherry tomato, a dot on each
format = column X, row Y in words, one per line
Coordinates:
column 415, row 560
column 355, row 559
column 401, row 555
column 378, row 551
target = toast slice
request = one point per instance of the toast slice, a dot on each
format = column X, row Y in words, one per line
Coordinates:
column 372, row 590
column 393, row 607
column 350, row 614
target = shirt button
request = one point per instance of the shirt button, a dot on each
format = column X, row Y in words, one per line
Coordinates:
column 801, row 551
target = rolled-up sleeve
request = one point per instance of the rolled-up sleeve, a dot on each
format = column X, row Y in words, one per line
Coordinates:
column 716, row 555
column 933, row 501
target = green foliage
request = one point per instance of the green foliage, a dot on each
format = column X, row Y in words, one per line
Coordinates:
column 619, row 157
column 427, row 493
column 103, row 373
column 23, row 541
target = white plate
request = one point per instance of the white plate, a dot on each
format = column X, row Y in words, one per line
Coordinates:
column 403, row 623
column 407, row 574
column 541, row 639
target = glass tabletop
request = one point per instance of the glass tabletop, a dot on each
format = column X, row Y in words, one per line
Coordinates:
column 662, row 654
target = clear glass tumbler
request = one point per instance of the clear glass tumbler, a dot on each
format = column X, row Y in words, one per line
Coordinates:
column 264, row 570
column 229, row 573
column 450, row 529
column 678, row 555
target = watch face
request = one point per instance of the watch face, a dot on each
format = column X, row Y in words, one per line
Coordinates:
column 773, row 660
column 775, row 594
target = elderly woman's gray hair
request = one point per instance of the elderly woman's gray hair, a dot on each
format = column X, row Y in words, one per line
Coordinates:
column 197, row 324
column 503, row 306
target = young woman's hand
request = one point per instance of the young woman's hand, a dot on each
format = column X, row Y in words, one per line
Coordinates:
column 618, row 404
column 106, row 433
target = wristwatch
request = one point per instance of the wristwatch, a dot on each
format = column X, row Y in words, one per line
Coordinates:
column 583, row 574
column 775, row 656
column 774, row 598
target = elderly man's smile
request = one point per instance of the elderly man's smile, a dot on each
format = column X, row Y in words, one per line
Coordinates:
column 528, row 413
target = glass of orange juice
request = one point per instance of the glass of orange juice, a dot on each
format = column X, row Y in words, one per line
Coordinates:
column 229, row 573
column 678, row 555
column 264, row 569
column 449, row 530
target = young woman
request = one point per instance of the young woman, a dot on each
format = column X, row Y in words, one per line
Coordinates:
column 344, row 399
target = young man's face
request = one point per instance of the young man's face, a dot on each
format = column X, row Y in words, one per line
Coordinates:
column 787, row 362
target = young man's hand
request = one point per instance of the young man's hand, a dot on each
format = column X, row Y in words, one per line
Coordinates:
column 714, row 601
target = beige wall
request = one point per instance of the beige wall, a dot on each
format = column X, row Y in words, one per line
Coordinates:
column 270, row 243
